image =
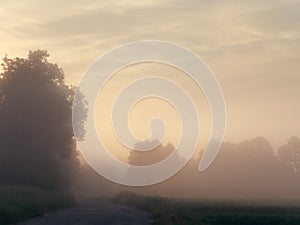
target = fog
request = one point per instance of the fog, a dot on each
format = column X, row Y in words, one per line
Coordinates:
column 60, row 147
column 249, row 170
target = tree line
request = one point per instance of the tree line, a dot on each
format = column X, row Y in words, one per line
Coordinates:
column 250, row 169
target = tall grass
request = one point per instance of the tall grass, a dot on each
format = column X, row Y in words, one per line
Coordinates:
column 187, row 212
column 19, row 203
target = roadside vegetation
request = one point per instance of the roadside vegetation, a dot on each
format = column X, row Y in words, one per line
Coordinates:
column 19, row 203
column 196, row 212
column 38, row 157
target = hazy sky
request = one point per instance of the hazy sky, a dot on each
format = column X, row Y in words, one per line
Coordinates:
column 253, row 47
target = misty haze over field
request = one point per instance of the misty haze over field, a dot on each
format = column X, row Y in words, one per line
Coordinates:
column 47, row 47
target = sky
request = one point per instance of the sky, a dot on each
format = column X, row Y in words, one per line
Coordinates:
column 252, row 46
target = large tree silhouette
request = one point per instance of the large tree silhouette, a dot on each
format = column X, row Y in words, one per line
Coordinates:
column 36, row 137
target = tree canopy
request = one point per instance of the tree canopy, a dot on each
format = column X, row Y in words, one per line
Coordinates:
column 36, row 134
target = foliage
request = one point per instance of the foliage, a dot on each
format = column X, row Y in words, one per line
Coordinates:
column 196, row 212
column 36, row 136
column 290, row 153
column 21, row 202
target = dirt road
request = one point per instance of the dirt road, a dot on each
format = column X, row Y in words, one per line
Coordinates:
column 94, row 213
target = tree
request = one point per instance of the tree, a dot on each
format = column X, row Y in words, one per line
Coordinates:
column 289, row 154
column 36, row 136
column 139, row 158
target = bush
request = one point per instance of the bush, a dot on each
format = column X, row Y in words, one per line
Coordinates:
column 19, row 203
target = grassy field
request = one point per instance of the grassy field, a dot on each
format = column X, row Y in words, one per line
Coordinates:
column 19, row 203
column 192, row 212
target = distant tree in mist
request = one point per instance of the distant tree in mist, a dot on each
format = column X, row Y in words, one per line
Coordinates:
column 37, row 145
column 144, row 158
column 250, row 169
column 290, row 153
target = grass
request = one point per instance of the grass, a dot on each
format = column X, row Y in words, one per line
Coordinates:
column 187, row 212
column 19, row 203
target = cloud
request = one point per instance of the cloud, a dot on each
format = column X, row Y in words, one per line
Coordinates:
column 206, row 25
